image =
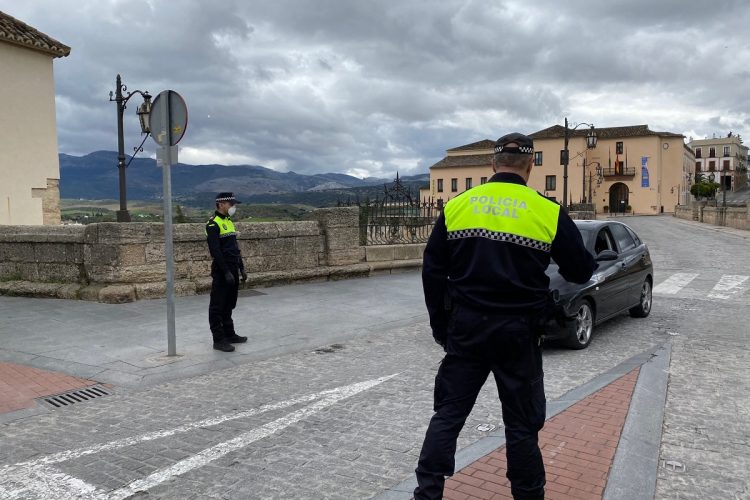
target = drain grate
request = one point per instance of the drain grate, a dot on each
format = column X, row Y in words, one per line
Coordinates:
column 77, row 396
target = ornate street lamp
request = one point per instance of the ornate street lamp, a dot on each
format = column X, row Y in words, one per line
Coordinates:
column 591, row 180
column 143, row 116
column 565, row 154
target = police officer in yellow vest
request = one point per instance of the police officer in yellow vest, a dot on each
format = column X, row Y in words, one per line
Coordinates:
column 485, row 288
column 226, row 270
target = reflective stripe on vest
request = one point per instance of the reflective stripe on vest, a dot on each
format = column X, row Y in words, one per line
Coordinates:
column 226, row 226
column 504, row 212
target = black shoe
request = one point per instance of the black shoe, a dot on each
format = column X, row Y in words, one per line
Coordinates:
column 223, row 346
column 237, row 339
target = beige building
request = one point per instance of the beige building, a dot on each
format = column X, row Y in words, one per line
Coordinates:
column 631, row 169
column 724, row 158
column 29, row 165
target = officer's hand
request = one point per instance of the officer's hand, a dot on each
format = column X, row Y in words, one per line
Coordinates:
column 229, row 277
column 244, row 275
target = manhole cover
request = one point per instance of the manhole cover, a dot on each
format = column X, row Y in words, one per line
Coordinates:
column 673, row 465
column 485, row 427
column 77, row 396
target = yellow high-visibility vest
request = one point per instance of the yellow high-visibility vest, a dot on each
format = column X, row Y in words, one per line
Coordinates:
column 503, row 211
column 226, row 226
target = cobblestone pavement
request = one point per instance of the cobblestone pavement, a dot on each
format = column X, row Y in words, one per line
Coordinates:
column 706, row 432
column 296, row 425
column 351, row 449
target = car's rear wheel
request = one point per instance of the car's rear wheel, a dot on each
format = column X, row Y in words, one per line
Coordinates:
column 644, row 306
column 581, row 329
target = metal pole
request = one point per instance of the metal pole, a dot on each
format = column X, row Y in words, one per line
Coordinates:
column 565, row 167
column 168, row 246
column 583, row 181
column 122, row 214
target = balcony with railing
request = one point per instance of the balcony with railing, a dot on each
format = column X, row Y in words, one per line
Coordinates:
column 618, row 171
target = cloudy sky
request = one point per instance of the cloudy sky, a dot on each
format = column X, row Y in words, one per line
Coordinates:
column 371, row 87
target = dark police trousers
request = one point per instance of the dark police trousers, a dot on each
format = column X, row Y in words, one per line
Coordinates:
column 508, row 347
column 223, row 300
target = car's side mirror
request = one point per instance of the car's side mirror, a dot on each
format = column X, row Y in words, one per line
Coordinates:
column 606, row 255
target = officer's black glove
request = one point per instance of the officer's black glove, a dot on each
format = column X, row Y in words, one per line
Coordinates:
column 229, row 277
column 243, row 275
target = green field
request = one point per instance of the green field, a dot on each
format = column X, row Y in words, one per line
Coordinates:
column 90, row 211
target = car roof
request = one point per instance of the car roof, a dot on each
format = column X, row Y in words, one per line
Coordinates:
column 591, row 224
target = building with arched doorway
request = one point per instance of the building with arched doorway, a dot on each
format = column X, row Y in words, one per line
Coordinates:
column 632, row 169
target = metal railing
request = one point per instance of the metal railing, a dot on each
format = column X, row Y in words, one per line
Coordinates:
column 396, row 218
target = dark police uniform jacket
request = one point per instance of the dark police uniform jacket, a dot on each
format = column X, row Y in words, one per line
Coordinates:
column 222, row 243
column 488, row 253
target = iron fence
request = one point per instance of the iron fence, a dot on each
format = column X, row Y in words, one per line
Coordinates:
column 396, row 218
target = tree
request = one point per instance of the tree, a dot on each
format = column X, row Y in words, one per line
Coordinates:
column 704, row 189
column 179, row 217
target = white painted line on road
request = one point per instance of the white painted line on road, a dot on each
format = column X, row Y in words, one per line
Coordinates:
column 728, row 285
column 210, row 454
column 122, row 443
column 674, row 283
column 35, row 479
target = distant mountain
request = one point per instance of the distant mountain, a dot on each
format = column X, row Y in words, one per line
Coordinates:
column 95, row 176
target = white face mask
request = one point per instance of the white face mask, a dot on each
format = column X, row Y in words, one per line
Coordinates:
column 232, row 210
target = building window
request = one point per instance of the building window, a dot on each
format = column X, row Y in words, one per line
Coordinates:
column 550, row 183
column 725, row 165
column 440, row 185
column 618, row 148
column 698, row 153
column 697, row 166
column 712, row 166
column 726, row 150
column 454, row 185
column 483, row 180
column 712, row 152
column 468, row 183
column 537, row 158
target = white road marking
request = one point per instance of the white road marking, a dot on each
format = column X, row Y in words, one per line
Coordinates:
column 674, row 283
column 728, row 285
column 35, row 479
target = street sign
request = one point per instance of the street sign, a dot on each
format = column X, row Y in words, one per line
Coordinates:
column 168, row 121
column 176, row 114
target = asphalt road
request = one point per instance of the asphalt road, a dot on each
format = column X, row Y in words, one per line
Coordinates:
column 347, row 420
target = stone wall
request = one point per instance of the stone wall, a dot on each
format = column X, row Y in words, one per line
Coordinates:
column 735, row 217
column 122, row 262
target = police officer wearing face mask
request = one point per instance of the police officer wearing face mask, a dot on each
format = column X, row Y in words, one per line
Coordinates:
column 485, row 287
column 227, row 269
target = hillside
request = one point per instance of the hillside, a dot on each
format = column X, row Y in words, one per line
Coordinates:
column 95, row 176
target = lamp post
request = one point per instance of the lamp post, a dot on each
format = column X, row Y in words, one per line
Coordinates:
column 591, row 180
column 143, row 112
column 724, row 187
column 565, row 154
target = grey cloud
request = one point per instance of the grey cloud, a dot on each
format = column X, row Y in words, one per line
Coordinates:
column 321, row 85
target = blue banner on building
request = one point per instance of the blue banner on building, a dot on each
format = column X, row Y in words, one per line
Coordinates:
column 644, row 171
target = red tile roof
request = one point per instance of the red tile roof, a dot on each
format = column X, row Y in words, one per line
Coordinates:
column 483, row 144
column 19, row 33
column 558, row 131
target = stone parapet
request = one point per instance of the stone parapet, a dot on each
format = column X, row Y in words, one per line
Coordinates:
column 123, row 262
column 734, row 217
